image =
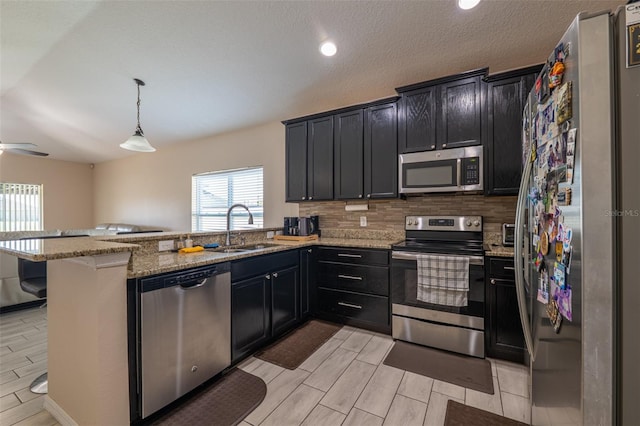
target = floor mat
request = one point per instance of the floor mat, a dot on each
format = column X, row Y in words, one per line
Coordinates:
column 470, row 372
column 224, row 403
column 464, row 415
column 291, row 351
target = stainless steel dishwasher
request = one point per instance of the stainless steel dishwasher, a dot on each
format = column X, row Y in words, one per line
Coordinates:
column 185, row 332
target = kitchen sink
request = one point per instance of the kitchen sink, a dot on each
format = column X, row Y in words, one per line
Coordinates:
column 243, row 249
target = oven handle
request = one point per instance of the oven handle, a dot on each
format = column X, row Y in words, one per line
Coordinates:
column 405, row 255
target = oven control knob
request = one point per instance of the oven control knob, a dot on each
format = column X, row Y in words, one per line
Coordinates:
column 476, row 223
column 468, row 223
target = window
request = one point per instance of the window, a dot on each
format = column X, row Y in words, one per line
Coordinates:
column 20, row 207
column 213, row 193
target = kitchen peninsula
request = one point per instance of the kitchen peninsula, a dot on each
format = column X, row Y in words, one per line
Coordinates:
column 87, row 310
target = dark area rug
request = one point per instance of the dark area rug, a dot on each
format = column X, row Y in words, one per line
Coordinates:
column 291, row 351
column 224, row 403
column 470, row 372
column 464, row 415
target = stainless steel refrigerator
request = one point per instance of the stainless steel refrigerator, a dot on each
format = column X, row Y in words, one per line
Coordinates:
column 578, row 225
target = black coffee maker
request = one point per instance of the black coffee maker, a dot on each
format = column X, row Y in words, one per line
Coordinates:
column 302, row 226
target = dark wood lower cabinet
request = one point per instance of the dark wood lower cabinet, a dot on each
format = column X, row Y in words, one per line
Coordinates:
column 266, row 304
column 353, row 287
column 250, row 315
column 284, row 299
column 504, row 338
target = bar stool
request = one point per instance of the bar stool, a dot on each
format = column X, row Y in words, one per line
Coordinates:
column 33, row 280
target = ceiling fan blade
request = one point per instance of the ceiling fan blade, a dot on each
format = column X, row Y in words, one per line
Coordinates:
column 5, row 146
column 25, row 152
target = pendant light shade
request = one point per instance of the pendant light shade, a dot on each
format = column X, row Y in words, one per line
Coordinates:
column 137, row 141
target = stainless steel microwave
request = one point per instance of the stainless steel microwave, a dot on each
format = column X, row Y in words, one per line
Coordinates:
column 449, row 170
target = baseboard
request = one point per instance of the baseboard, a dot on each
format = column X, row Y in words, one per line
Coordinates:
column 58, row 413
column 22, row 306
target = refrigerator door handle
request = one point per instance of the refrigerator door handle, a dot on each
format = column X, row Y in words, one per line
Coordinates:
column 518, row 260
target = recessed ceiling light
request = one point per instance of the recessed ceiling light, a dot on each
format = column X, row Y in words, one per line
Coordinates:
column 328, row 48
column 467, row 4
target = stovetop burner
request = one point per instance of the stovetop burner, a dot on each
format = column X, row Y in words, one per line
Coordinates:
column 457, row 235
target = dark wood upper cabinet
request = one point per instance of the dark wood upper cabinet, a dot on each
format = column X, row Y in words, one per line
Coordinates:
column 505, row 96
column 442, row 113
column 296, row 161
column 320, row 159
column 459, row 113
column 417, row 120
column 381, row 151
column 348, row 155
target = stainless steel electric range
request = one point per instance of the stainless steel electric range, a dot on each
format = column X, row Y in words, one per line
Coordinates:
column 454, row 328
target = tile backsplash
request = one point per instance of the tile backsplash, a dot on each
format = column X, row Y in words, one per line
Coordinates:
column 388, row 215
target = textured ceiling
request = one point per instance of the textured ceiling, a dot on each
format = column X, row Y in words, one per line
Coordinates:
column 67, row 67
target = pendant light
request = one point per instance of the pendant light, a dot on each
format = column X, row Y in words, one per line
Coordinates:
column 137, row 141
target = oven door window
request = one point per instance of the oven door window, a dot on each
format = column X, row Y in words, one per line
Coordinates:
column 428, row 174
column 404, row 289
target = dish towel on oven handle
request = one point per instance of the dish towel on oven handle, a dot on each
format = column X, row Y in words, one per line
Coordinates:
column 443, row 280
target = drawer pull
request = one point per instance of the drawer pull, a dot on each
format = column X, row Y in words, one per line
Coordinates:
column 350, row 277
column 510, row 268
column 349, row 255
column 349, row 305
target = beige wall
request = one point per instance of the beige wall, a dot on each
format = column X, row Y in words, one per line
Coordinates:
column 67, row 188
column 154, row 190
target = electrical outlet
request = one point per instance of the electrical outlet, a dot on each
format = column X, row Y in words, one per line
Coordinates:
column 165, row 245
column 363, row 221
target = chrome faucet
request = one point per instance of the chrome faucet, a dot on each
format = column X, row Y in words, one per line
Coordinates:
column 228, row 242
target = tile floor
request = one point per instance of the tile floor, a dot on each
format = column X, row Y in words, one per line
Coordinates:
column 343, row 383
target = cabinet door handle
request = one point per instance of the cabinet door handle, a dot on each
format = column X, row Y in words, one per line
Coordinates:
column 510, row 268
column 275, row 275
column 268, row 276
column 350, row 277
column 349, row 255
column 349, row 305
column 493, row 281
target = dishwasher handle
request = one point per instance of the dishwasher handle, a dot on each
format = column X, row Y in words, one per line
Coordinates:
column 193, row 284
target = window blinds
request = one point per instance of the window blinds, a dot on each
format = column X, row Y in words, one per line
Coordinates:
column 213, row 193
column 20, row 207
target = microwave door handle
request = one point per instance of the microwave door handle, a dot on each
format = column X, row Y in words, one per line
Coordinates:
column 459, row 167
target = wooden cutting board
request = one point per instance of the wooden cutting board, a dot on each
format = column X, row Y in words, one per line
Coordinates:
column 295, row 237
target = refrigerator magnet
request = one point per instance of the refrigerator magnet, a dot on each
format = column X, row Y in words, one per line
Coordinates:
column 559, row 275
column 543, row 286
column 564, row 103
column 563, row 298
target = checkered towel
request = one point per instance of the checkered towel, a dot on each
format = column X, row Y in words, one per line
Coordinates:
column 443, row 280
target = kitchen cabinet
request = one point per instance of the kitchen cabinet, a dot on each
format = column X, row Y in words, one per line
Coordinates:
column 348, row 155
column 381, row 151
column 296, row 161
column 308, row 272
column 440, row 114
column 264, row 300
column 353, row 287
column 309, row 160
column 505, row 97
column 504, row 338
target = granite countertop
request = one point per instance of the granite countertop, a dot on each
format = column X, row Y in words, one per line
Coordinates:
column 498, row 250
column 157, row 263
column 38, row 250
column 144, row 264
